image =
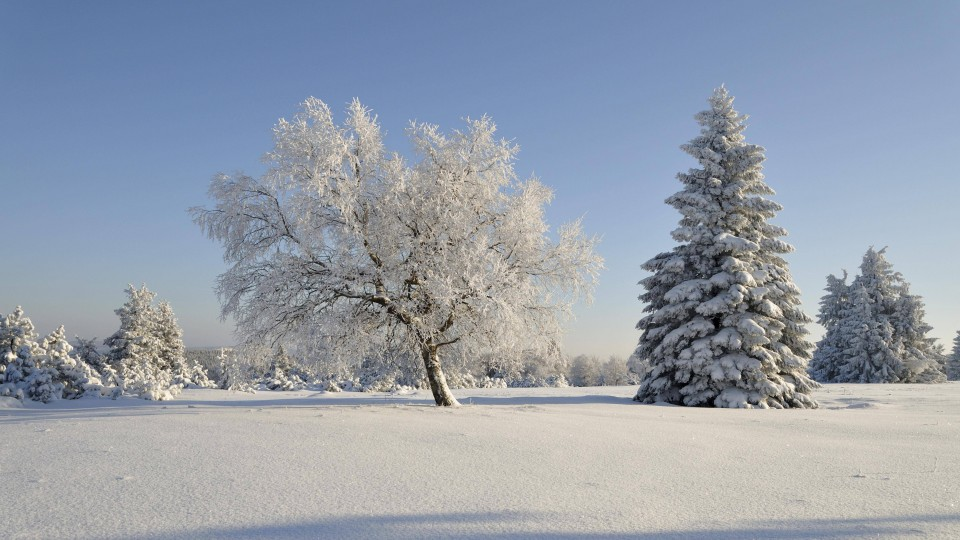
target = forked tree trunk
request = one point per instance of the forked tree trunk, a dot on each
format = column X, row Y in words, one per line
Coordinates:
column 438, row 382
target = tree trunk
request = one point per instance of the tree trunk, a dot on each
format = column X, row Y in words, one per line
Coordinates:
column 438, row 382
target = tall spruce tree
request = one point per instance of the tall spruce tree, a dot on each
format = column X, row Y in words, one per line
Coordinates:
column 724, row 325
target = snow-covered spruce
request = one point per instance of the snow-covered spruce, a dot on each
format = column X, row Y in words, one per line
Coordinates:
column 75, row 377
column 234, row 375
column 86, row 351
column 23, row 375
column 185, row 372
column 135, row 349
column 41, row 371
column 724, row 326
column 280, row 374
column 834, row 307
column 347, row 248
column 953, row 362
column 147, row 351
column 875, row 330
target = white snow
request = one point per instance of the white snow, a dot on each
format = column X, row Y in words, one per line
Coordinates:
column 511, row 463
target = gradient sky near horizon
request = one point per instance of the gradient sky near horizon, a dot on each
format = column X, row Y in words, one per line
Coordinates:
column 115, row 115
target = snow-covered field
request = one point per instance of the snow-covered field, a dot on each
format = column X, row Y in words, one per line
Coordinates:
column 875, row 460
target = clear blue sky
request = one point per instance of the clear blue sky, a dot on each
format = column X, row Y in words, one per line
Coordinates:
column 114, row 116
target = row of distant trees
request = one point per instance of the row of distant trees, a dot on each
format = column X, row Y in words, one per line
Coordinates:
column 145, row 357
column 441, row 269
column 251, row 368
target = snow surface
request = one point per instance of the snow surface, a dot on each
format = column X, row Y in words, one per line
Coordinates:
column 874, row 460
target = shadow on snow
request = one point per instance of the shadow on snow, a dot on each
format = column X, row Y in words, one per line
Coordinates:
column 503, row 525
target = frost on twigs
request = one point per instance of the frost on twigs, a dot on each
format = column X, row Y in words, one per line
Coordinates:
column 348, row 250
column 723, row 324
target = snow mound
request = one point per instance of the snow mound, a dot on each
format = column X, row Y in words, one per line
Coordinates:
column 10, row 403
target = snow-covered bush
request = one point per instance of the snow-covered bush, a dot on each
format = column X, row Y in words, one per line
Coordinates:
column 723, row 323
column 25, row 375
column 875, row 331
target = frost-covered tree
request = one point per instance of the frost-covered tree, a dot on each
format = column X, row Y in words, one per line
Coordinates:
column 835, row 307
column 86, row 351
column 614, row 372
column 351, row 248
column 20, row 375
column 868, row 356
column 172, row 357
column 136, row 349
column 953, row 362
column 280, row 374
column 234, row 375
column 875, row 330
column 585, row 371
column 723, row 323
column 171, row 352
column 76, row 378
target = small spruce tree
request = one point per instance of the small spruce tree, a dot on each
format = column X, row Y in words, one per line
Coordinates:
column 875, row 330
column 835, row 306
column 953, row 363
column 136, row 349
column 278, row 374
column 20, row 374
column 76, row 377
column 86, row 351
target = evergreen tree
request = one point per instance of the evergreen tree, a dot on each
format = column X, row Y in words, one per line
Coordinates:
column 136, row 348
column 894, row 306
column 233, row 375
column 834, row 307
column 77, row 379
column 953, row 363
column 278, row 374
column 724, row 325
column 21, row 373
column 86, row 351
column 875, row 330
column 868, row 358
column 185, row 372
